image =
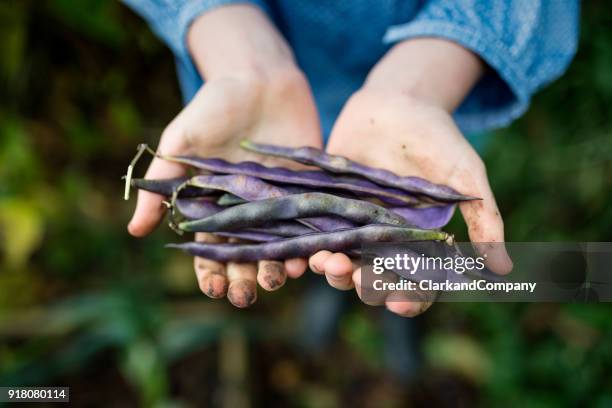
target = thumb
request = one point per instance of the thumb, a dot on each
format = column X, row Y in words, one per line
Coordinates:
column 485, row 224
column 149, row 208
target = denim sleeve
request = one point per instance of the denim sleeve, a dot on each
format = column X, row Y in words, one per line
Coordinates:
column 170, row 20
column 526, row 43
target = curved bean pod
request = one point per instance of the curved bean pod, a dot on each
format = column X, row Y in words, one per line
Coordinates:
column 254, row 189
column 292, row 207
column 195, row 209
column 307, row 245
column 339, row 164
column 310, row 178
column 422, row 217
column 426, row 218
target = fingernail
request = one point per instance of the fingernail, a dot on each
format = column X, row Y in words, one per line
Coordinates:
column 215, row 286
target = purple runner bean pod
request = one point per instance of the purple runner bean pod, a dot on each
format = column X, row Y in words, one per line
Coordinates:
column 291, row 207
column 309, row 178
column 307, row 245
column 339, row 164
column 425, row 217
column 254, row 189
column 195, row 209
column 432, row 217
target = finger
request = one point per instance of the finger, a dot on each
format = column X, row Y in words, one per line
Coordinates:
column 317, row 261
column 398, row 303
column 296, row 267
column 271, row 275
column 485, row 224
column 338, row 270
column 149, row 209
column 367, row 294
column 242, row 290
column 211, row 275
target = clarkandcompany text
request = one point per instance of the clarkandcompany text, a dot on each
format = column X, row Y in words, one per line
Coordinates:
column 448, row 286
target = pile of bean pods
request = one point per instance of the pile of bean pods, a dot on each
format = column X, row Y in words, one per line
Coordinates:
column 278, row 213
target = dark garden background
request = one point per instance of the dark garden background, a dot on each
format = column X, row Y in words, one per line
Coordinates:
column 122, row 321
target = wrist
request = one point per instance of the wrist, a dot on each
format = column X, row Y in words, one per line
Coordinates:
column 238, row 40
column 435, row 71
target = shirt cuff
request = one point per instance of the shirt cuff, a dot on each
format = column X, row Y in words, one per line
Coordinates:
column 500, row 95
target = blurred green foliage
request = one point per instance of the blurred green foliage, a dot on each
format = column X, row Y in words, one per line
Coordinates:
column 83, row 304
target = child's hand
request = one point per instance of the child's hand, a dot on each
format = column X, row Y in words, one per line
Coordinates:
column 259, row 94
column 412, row 133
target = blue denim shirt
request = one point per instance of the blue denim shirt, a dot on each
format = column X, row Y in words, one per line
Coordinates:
column 526, row 43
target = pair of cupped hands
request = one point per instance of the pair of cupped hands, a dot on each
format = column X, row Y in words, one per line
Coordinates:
column 399, row 120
